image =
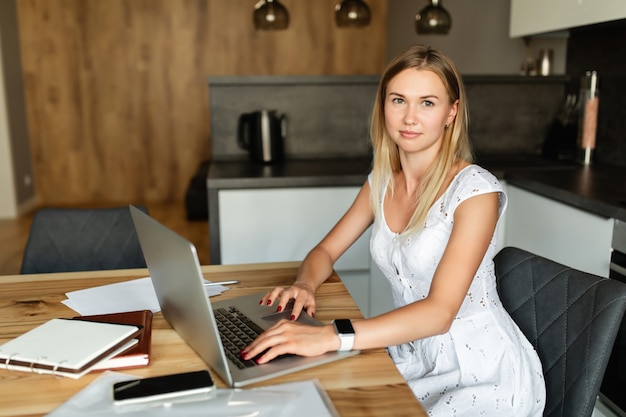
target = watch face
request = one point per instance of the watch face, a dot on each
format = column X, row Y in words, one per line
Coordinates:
column 344, row 326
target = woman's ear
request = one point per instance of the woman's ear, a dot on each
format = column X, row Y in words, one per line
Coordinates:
column 453, row 111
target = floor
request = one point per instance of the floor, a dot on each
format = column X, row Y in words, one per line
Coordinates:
column 14, row 233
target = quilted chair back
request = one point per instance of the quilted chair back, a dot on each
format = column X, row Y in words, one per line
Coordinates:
column 77, row 239
column 570, row 317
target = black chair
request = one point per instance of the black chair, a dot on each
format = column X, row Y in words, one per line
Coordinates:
column 77, row 239
column 570, row 317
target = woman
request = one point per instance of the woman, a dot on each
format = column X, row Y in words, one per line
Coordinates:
column 434, row 217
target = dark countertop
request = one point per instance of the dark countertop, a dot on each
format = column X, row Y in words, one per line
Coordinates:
column 597, row 189
column 291, row 173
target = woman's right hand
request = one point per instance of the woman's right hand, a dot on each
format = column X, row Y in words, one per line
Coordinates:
column 303, row 297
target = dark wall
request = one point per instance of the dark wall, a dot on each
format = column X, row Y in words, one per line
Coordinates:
column 602, row 48
column 328, row 116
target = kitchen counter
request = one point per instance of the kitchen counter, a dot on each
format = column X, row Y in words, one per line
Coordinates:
column 600, row 190
column 291, row 173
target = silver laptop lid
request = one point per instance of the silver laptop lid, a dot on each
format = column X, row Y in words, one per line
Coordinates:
column 179, row 286
column 178, row 283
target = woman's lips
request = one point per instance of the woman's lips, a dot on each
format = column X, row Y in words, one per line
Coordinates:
column 409, row 134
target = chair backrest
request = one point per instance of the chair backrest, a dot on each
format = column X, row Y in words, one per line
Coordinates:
column 571, row 318
column 77, row 239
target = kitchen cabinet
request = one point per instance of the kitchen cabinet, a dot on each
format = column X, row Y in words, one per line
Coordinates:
column 558, row 231
column 283, row 224
column 531, row 17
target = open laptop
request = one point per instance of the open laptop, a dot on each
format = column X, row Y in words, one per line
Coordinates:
column 179, row 286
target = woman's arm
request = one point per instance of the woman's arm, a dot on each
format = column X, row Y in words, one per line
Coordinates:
column 474, row 225
column 317, row 266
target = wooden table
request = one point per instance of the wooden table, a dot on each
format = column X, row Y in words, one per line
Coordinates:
column 365, row 385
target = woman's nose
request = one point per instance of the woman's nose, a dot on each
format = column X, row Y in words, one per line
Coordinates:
column 410, row 116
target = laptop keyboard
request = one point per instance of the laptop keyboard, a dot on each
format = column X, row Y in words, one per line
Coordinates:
column 237, row 331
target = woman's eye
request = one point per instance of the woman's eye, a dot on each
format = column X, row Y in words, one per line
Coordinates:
column 427, row 103
column 397, row 100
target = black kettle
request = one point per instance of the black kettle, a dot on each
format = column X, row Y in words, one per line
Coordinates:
column 262, row 133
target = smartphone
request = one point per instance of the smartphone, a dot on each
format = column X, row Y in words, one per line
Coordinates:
column 187, row 386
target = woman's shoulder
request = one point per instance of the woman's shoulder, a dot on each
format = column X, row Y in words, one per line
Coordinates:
column 474, row 179
column 476, row 173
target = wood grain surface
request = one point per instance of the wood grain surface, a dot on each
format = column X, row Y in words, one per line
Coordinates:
column 116, row 91
column 364, row 385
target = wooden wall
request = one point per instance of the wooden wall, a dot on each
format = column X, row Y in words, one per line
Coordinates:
column 116, row 90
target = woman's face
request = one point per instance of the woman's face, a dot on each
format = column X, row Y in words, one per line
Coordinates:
column 417, row 109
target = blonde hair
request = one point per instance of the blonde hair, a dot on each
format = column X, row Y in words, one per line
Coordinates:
column 455, row 146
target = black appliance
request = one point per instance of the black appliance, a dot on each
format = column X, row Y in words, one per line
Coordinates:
column 262, row 133
column 612, row 389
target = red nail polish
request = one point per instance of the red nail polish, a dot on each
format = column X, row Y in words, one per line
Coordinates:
column 292, row 317
column 261, row 302
column 279, row 309
column 313, row 315
column 269, row 302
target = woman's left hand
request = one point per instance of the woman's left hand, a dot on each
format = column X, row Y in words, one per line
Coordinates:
column 292, row 337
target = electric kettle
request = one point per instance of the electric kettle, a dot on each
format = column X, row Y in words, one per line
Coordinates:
column 262, row 133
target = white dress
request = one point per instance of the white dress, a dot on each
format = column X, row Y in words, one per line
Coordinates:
column 484, row 365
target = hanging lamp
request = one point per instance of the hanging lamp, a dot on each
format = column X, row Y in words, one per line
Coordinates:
column 270, row 15
column 433, row 19
column 352, row 13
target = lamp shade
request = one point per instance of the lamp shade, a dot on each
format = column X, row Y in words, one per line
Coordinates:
column 352, row 13
column 270, row 15
column 433, row 19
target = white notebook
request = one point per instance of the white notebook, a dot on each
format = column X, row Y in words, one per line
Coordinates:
column 67, row 347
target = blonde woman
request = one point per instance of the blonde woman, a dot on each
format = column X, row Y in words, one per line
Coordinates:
column 434, row 215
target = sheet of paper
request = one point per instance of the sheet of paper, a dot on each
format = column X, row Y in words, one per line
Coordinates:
column 137, row 294
column 302, row 399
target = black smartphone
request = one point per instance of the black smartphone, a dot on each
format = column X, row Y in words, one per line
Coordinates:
column 185, row 386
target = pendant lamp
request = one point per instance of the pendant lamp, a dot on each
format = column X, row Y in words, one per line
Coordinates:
column 352, row 13
column 270, row 15
column 433, row 19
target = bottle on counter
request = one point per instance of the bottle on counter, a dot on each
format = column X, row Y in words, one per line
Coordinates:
column 588, row 117
column 544, row 62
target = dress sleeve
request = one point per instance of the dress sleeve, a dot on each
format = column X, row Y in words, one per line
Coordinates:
column 476, row 180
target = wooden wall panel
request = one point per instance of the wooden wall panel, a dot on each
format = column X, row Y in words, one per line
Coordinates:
column 116, row 90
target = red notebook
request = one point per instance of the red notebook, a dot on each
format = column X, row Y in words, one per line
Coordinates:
column 139, row 355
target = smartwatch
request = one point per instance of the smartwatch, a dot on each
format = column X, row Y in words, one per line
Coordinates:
column 345, row 331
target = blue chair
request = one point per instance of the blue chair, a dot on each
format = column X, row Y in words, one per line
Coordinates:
column 571, row 318
column 77, row 239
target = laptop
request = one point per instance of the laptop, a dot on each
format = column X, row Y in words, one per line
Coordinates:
column 179, row 286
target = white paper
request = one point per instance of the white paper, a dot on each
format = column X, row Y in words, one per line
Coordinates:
column 137, row 294
column 302, row 399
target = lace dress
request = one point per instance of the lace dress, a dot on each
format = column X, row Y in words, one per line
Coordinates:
column 484, row 365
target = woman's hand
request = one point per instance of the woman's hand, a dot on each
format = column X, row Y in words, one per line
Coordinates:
column 292, row 337
column 303, row 297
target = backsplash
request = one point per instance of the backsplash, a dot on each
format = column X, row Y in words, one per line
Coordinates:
column 602, row 48
column 328, row 116
column 512, row 114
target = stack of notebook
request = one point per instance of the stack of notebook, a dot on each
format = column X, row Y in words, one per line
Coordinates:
column 72, row 348
column 138, row 355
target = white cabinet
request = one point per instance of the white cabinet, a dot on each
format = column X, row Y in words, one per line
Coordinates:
column 501, row 226
column 284, row 224
column 531, row 17
column 559, row 232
